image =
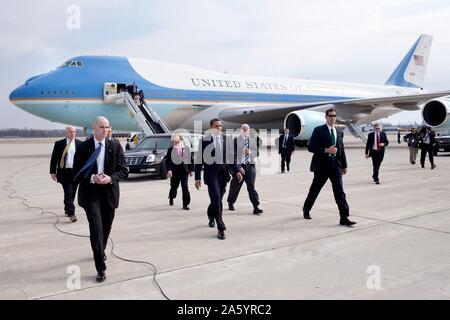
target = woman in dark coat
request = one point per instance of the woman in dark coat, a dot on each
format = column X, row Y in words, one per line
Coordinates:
column 180, row 166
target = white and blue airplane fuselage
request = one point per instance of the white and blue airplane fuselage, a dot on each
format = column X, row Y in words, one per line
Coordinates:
column 75, row 93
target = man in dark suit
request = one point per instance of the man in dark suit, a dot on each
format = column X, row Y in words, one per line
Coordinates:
column 100, row 165
column 61, row 169
column 328, row 162
column 245, row 152
column 286, row 147
column 427, row 141
column 212, row 155
column 376, row 143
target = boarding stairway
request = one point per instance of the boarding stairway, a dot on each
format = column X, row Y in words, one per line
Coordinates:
column 148, row 120
column 356, row 131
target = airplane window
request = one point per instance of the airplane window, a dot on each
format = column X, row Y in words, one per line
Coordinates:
column 42, row 93
column 79, row 64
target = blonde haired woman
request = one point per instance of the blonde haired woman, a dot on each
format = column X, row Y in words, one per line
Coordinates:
column 179, row 167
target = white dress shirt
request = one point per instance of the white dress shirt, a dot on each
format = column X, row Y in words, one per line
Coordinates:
column 101, row 156
column 70, row 154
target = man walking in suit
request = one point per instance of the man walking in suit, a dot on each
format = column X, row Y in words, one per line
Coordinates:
column 376, row 143
column 212, row 155
column 285, row 148
column 428, row 139
column 328, row 162
column 244, row 169
column 61, row 169
column 100, row 165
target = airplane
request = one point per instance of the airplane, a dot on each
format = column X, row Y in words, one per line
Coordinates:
column 81, row 89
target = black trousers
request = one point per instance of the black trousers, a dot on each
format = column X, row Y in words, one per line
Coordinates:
column 426, row 148
column 100, row 216
column 376, row 162
column 177, row 178
column 249, row 179
column 329, row 171
column 285, row 158
column 65, row 178
column 216, row 190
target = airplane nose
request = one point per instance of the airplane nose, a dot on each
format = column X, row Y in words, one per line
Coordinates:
column 14, row 95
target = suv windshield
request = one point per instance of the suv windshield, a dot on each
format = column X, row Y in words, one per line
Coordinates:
column 154, row 143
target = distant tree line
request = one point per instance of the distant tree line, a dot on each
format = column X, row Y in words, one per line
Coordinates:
column 34, row 133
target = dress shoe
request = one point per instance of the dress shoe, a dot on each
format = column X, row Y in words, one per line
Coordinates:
column 346, row 222
column 377, row 182
column 186, row 208
column 257, row 211
column 73, row 218
column 171, row 201
column 433, row 166
column 231, row 207
column 306, row 215
column 413, row 163
column 221, row 235
column 101, row 276
column 211, row 223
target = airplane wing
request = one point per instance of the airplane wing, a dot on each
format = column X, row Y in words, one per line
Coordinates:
column 353, row 110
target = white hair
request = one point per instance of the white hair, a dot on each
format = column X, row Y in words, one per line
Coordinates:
column 98, row 119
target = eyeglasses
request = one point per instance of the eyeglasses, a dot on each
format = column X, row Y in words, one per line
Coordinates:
column 331, row 116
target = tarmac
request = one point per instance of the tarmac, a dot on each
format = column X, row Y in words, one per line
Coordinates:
column 400, row 248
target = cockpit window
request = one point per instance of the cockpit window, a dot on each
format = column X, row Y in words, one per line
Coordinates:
column 72, row 63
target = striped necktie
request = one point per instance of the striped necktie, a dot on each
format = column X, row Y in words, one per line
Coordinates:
column 62, row 162
column 247, row 146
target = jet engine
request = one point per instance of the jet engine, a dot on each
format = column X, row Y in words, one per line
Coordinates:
column 302, row 123
column 436, row 112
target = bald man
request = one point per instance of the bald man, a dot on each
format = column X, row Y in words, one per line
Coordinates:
column 99, row 166
column 61, row 169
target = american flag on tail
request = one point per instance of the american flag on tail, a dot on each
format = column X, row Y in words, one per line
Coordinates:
column 418, row 60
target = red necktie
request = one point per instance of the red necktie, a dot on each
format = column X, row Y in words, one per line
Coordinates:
column 378, row 142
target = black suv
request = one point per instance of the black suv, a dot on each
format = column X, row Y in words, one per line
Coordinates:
column 443, row 143
column 149, row 155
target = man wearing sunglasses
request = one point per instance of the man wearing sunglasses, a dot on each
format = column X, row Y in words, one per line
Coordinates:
column 376, row 143
column 328, row 162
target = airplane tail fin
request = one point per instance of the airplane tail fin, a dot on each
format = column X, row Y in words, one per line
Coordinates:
column 411, row 71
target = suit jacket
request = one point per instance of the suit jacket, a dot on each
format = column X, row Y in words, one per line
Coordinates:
column 58, row 150
column 211, row 168
column 176, row 164
column 320, row 140
column 114, row 166
column 238, row 152
column 290, row 146
column 371, row 141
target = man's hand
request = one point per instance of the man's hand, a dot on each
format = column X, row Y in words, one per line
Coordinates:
column 381, row 145
column 169, row 174
column 344, row 171
column 53, row 176
column 242, row 171
column 102, row 179
column 248, row 152
column 240, row 177
column 198, row 184
column 367, row 156
column 331, row 150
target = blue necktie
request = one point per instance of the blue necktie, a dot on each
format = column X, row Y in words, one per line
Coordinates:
column 90, row 162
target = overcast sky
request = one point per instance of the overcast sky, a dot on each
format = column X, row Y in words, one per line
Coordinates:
column 341, row 40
